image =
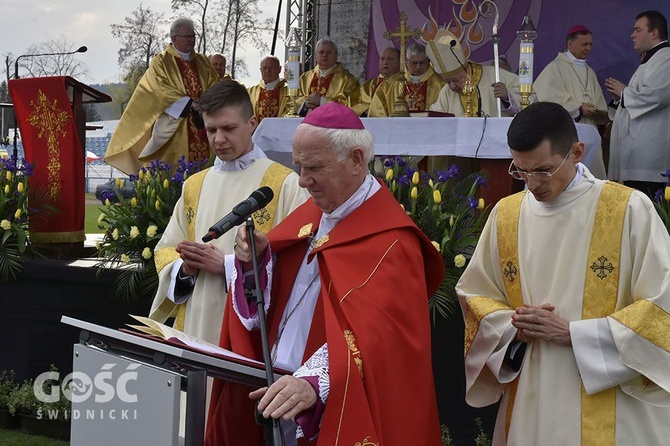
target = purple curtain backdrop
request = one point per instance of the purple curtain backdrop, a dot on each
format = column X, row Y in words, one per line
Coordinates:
column 611, row 22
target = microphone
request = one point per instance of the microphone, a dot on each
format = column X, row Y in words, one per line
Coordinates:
column 257, row 200
column 81, row 49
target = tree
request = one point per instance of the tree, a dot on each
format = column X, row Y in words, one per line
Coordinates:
column 52, row 65
column 141, row 37
column 92, row 114
column 223, row 21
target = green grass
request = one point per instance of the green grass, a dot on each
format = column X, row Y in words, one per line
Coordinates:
column 91, row 215
column 17, row 438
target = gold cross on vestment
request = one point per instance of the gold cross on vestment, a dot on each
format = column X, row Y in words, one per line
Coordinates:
column 403, row 34
column 50, row 120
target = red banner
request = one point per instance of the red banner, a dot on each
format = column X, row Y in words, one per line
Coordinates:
column 51, row 144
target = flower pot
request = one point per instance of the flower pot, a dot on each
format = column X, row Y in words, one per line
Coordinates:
column 8, row 421
column 45, row 427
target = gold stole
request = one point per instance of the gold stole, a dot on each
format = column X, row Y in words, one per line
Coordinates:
column 198, row 147
column 268, row 103
column 475, row 74
column 263, row 218
column 598, row 412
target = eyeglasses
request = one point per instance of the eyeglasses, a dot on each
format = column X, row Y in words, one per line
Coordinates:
column 540, row 176
column 188, row 36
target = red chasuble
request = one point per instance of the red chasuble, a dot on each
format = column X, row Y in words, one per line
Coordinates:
column 377, row 271
column 320, row 84
column 415, row 95
column 268, row 103
column 198, row 146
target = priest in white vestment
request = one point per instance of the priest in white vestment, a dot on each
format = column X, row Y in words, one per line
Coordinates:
column 569, row 81
column 459, row 73
column 567, row 301
column 640, row 140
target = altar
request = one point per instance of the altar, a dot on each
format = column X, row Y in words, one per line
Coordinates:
column 483, row 140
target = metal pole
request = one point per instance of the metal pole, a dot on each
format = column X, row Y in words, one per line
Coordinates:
column 495, row 38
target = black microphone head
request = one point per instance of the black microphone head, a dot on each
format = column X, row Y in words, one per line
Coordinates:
column 263, row 196
column 452, row 43
column 82, row 49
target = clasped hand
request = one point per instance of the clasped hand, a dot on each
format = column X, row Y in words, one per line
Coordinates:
column 200, row 256
column 540, row 322
column 286, row 398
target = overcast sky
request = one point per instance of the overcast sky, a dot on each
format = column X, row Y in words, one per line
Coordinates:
column 87, row 22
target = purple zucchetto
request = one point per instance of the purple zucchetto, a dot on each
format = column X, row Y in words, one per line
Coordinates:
column 578, row 29
column 333, row 115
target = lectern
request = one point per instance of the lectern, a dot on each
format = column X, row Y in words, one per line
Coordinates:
column 52, row 120
column 126, row 388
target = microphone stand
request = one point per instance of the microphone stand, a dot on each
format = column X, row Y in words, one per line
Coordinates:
column 276, row 437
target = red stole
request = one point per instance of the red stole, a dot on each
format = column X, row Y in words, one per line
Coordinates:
column 198, row 146
column 320, row 84
column 268, row 103
column 415, row 95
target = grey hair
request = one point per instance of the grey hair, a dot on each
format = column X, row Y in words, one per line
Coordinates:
column 415, row 50
column 343, row 141
column 179, row 23
column 326, row 40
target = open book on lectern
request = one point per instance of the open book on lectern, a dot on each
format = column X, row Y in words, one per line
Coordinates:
column 177, row 337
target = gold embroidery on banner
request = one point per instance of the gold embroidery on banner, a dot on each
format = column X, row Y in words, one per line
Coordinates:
column 366, row 442
column 598, row 412
column 305, row 230
column 50, row 120
column 372, row 273
column 351, row 342
column 602, row 266
column 647, row 320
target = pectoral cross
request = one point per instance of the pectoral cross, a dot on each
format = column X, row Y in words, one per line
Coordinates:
column 403, row 34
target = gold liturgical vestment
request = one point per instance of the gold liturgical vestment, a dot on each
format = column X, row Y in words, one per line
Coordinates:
column 422, row 94
column 269, row 103
column 161, row 86
column 367, row 91
column 341, row 86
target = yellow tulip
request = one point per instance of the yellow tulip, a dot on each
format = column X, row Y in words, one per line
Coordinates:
column 119, row 183
column 19, row 187
column 389, row 174
column 17, row 214
column 451, row 221
column 148, row 175
column 667, row 193
column 133, row 202
column 459, row 261
column 414, row 193
column 140, row 174
column 101, row 217
column 437, row 197
column 158, row 205
column 415, row 178
column 435, row 244
column 115, row 234
column 430, row 182
column 107, row 202
column 7, row 188
column 481, row 204
column 166, row 184
column 9, row 176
